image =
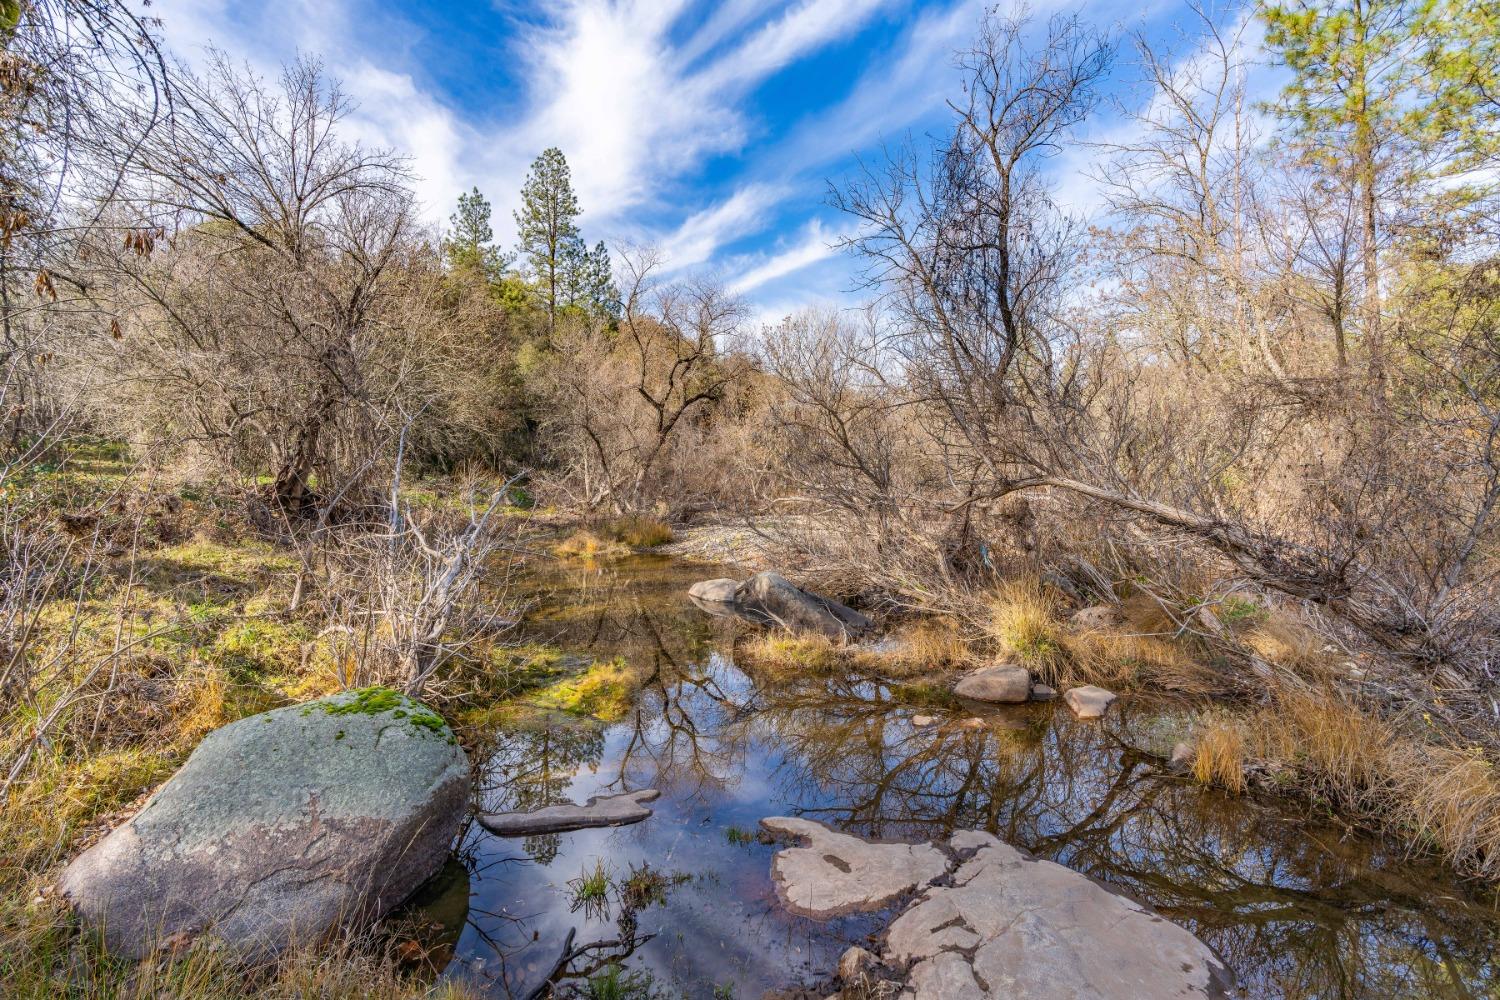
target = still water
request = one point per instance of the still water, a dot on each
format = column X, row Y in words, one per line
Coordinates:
column 1298, row 907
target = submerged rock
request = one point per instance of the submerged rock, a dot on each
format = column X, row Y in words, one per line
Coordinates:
column 1043, row 692
column 782, row 601
column 1089, row 702
column 281, row 827
column 1003, row 684
column 601, row 810
column 923, row 721
column 836, row 874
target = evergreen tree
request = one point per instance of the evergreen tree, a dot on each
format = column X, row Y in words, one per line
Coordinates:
column 1363, row 105
column 591, row 282
column 547, row 229
column 468, row 245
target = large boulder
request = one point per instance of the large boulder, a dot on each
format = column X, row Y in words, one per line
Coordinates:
column 783, row 602
column 281, row 827
column 1003, row 684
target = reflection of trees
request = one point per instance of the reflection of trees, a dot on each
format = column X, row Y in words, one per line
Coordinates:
column 531, row 766
column 1296, row 909
column 1295, row 912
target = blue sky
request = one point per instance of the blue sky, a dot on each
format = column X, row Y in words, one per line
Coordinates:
column 709, row 129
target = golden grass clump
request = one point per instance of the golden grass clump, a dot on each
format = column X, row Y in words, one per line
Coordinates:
column 618, row 536
column 787, row 653
column 585, row 544
column 1449, row 797
column 1287, row 644
column 934, row 643
column 1219, row 755
column 1024, row 621
column 1336, row 749
column 639, row 531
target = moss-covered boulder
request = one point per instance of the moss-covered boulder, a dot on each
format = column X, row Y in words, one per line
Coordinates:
column 281, row 827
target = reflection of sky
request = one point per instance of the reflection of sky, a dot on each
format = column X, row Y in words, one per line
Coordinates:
column 1297, row 909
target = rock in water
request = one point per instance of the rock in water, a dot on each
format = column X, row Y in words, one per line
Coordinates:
column 1014, row 926
column 776, row 597
column 1005, row 684
column 601, row 810
column 836, row 873
column 280, row 827
column 1089, row 702
column 720, row 591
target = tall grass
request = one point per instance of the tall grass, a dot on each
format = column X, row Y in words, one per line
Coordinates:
column 1387, row 774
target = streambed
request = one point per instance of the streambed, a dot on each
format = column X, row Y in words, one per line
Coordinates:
column 1296, row 905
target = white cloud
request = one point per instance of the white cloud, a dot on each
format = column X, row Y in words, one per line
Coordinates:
column 702, row 233
column 816, row 244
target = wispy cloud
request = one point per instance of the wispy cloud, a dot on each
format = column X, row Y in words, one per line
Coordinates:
column 815, row 244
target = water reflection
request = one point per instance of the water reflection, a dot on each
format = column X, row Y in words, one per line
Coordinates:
column 1298, row 907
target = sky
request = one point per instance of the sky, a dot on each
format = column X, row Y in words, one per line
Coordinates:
column 710, row 130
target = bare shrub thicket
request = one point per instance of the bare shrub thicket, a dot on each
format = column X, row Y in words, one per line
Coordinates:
column 273, row 304
column 1194, row 425
column 616, row 404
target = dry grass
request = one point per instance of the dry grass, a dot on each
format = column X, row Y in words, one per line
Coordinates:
column 44, row 956
column 1025, row 622
column 1387, row 774
column 788, row 654
column 1449, row 797
column 1219, row 755
column 934, row 644
column 1288, row 644
column 615, row 537
column 637, row 530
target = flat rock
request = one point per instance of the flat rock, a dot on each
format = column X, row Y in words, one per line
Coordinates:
column 1003, row 684
column 788, row 605
column 721, row 591
column 1011, row 925
column 835, row 873
column 1043, row 692
column 1089, row 702
column 601, row 810
column 280, row 828
column 923, row 721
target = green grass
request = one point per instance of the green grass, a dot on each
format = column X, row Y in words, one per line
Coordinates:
column 591, row 889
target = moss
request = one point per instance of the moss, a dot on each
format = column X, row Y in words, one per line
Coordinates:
column 376, row 700
column 606, row 691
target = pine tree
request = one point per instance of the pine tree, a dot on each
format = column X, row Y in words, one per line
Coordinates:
column 468, row 245
column 547, row 229
column 1359, row 107
column 591, row 282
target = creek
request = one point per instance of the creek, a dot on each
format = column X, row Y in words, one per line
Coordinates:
column 1297, row 905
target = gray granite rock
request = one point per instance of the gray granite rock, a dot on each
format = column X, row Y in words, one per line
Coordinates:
column 1089, row 702
column 1002, row 684
column 1023, row 927
column 280, row 827
column 601, row 810
column 721, row 591
column 1004, row 925
column 788, row 605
